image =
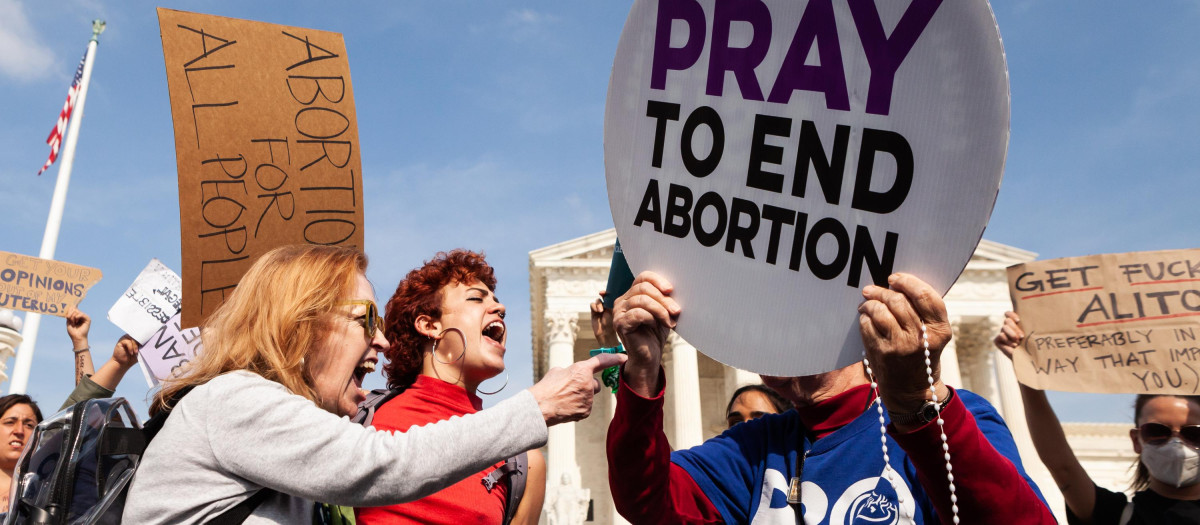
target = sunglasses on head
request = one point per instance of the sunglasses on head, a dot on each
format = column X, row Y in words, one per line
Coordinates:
column 1158, row 433
column 370, row 321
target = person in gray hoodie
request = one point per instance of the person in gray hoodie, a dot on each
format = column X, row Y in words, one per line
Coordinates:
column 280, row 372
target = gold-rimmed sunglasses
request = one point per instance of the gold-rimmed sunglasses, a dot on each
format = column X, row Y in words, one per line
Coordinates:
column 1158, row 433
column 371, row 320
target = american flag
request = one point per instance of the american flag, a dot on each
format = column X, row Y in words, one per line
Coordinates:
column 60, row 127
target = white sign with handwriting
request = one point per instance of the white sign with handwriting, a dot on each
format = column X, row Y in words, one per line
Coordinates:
column 167, row 350
column 151, row 301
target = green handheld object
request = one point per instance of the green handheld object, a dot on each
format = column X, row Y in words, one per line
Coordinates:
column 611, row 376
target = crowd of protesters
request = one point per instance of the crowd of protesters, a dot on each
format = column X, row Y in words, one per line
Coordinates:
column 268, row 422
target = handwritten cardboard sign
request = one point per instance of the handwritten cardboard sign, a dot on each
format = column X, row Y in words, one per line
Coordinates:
column 266, row 142
column 153, row 298
column 167, row 350
column 772, row 160
column 43, row 286
column 1124, row 322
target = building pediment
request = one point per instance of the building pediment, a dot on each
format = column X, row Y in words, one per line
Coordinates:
column 595, row 247
column 565, row 277
column 993, row 254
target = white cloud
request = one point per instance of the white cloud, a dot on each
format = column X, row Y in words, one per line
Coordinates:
column 22, row 56
column 521, row 25
column 529, row 18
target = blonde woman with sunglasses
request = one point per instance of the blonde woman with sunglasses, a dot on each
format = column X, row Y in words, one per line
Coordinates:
column 1167, row 440
column 263, row 423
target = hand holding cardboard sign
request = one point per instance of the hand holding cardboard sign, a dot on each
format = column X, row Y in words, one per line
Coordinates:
column 78, row 325
column 890, row 321
column 643, row 318
column 1011, row 335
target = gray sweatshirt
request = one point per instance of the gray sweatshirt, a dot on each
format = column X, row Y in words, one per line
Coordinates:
column 240, row 432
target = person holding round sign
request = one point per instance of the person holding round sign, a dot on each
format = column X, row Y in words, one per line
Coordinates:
column 833, row 454
column 780, row 162
column 1167, row 440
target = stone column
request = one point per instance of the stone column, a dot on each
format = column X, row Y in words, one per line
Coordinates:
column 976, row 359
column 736, row 378
column 951, row 373
column 684, row 373
column 1011, row 406
column 561, row 328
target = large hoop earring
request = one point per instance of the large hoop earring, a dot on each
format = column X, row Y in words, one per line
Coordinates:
column 460, row 357
column 496, row 391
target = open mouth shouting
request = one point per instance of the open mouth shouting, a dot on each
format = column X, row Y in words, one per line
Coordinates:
column 360, row 372
column 495, row 331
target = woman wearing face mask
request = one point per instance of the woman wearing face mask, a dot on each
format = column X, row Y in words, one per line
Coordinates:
column 265, row 425
column 448, row 336
column 1167, row 439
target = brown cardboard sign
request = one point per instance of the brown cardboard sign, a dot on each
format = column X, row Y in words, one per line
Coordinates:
column 43, row 286
column 1126, row 322
column 266, row 142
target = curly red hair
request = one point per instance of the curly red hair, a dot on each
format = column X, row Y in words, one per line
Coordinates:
column 420, row 293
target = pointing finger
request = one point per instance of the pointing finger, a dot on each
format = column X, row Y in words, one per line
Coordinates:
column 601, row 361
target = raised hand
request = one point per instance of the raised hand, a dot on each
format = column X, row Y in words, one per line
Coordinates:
column 1011, row 335
column 643, row 319
column 602, row 322
column 890, row 322
column 125, row 352
column 78, row 325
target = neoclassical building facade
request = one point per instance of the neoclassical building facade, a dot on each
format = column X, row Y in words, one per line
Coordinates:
column 565, row 278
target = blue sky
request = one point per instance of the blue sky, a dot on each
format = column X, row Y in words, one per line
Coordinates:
column 481, row 125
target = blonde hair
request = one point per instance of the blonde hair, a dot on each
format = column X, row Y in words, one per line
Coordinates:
column 276, row 316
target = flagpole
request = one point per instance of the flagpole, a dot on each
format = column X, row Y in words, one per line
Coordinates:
column 20, row 376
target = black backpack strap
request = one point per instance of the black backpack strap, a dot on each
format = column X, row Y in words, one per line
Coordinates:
column 238, row 514
column 514, row 471
column 516, row 485
column 375, row 399
column 34, row 515
column 118, row 441
column 151, row 427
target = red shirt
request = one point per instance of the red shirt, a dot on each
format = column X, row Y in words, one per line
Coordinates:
column 430, row 400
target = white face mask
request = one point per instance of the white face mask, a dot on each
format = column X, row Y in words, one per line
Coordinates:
column 1173, row 463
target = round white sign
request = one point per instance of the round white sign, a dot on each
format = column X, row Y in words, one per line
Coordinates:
column 773, row 158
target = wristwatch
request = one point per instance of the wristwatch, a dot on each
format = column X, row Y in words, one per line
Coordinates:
column 928, row 412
